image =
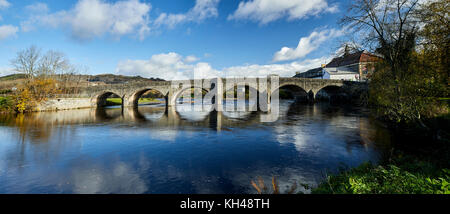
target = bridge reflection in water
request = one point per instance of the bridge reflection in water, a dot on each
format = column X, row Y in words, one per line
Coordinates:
column 183, row 115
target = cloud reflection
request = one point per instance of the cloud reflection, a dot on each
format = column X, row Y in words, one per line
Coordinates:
column 121, row 178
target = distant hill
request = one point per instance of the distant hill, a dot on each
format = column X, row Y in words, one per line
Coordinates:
column 12, row 77
column 117, row 79
column 105, row 78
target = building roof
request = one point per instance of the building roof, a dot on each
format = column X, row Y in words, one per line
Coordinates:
column 313, row 73
column 353, row 58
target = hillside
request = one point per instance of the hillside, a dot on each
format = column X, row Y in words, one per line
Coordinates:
column 117, row 79
column 12, row 77
column 9, row 82
column 105, row 78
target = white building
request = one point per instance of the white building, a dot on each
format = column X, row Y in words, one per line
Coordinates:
column 340, row 74
column 352, row 67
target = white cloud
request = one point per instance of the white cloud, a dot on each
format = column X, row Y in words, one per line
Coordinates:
column 36, row 11
column 306, row 45
column 90, row 19
column 172, row 66
column 202, row 10
column 265, row 11
column 95, row 18
column 4, row 4
column 190, row 59
column 8, row 31
column 6, row 71
column 39, row 8
column 284, row 70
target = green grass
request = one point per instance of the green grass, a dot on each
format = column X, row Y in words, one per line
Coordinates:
column 147, row 100
column 404, row 175
column 113, row 101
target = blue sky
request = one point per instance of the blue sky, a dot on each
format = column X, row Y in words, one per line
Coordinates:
column 172, row 39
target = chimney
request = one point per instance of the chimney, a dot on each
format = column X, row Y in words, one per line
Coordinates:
column 346, row 50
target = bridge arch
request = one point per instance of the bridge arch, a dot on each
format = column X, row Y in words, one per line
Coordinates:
column 180, row 92
column 329, row 92
column 250, row 93
column 184, row 110
column 329, row 85
column 133, row 99
column 293, row 91
column 100, row 100
column 248, row 87
column 291, row 84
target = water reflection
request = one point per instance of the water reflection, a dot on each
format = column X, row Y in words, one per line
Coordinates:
column 152, row 149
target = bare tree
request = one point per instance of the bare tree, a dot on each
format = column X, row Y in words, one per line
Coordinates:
column 388, row 26
column 53, row 63
column 72, row 78
column 32, row 63
column 27, row 61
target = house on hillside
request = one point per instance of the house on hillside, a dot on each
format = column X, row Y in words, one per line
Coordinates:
column 351, row 66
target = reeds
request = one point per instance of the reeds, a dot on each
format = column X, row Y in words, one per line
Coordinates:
column 261, row 188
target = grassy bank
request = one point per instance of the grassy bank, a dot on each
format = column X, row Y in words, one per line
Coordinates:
column 397, row 177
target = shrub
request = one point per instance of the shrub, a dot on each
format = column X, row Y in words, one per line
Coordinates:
column 6, row 104
column 390, row 179
column 34, row 92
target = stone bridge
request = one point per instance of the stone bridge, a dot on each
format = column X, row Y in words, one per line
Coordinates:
column 262, row 88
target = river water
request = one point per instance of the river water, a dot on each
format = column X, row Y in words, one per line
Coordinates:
column 146, row 150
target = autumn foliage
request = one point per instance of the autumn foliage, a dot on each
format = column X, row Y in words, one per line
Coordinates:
column 35, row 91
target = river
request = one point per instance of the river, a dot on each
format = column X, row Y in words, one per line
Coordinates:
column 146, row 150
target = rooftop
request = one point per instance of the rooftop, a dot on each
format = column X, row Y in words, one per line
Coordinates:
column 353, row 58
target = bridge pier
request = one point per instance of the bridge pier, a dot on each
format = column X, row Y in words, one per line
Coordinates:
column 166, row 98
column 215, row 120
column 312, row 96
column 170, row 100
column 219, row 95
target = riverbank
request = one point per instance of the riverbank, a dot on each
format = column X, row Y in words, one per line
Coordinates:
column 419, row 164
column 403, row 175
column 7, row 104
